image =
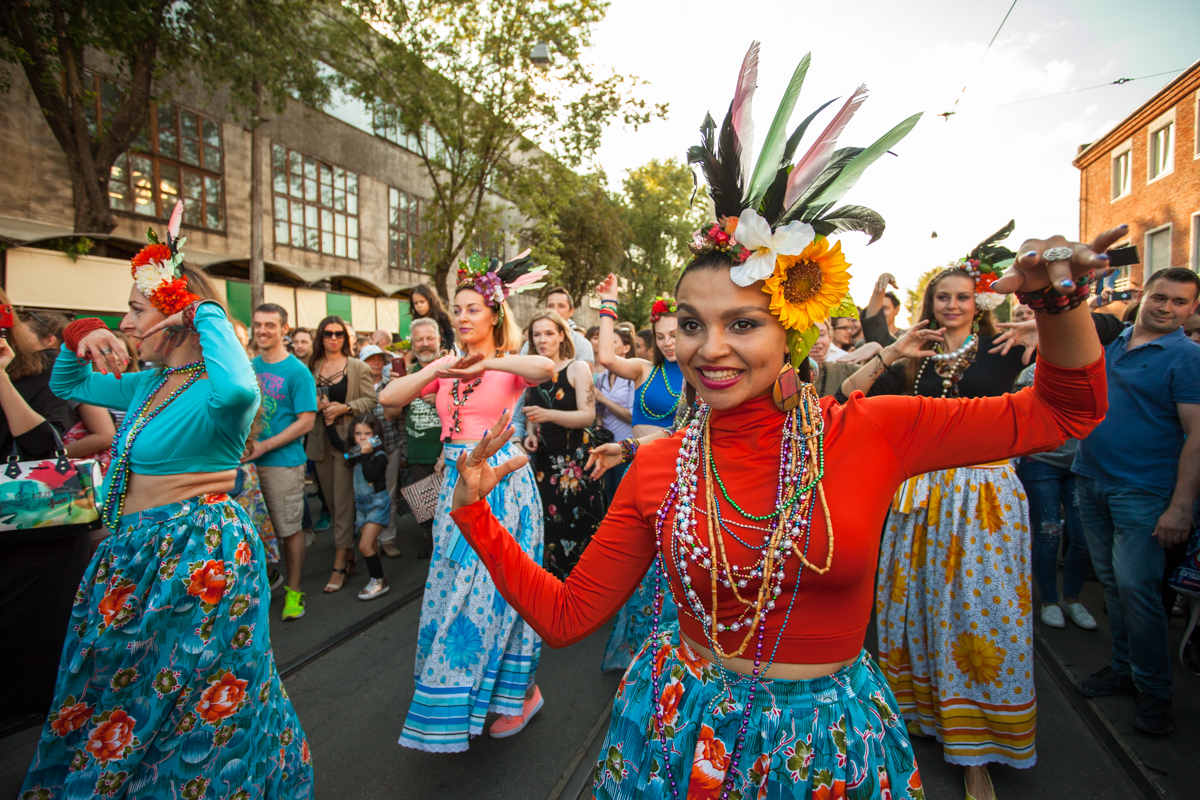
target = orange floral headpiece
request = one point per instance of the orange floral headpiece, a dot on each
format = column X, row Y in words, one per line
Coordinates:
column 157, row 269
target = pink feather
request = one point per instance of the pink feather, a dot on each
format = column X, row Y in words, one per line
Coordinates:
column 741, row 109
column 176, row 220
column 817, row 158
column 533, row 276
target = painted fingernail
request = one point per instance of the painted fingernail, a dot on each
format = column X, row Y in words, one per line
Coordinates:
column 1122, row 226
column 1031, row 254
column 1102, row 256
column 1067, row 283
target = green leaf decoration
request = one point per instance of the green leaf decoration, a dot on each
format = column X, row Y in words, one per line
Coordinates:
column 846, row 308
column 836, row 190
column 476, row 263
column 151, row 236
column 800, row 342
column 851, row 218
column 771, row 154
column 803, row 209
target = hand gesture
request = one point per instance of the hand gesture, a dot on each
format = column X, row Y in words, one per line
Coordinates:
column 332, row 411
column 917, row 341
column 1030, row 273
column 467, row 368
column 176, row 334
column 105, row 350
column 537, row 415
column 1016, row 334
column 862, row 355
column 476, row 477
column 884, row 281
column 602, row 459
column 607, row 288
column 7, row 355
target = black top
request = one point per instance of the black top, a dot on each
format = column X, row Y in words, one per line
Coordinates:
column 374, row 467
column 39, row 442
column 337, row 388
column 558, row 394
column 875, row 329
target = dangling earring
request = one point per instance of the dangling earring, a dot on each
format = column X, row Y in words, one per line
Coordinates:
column 787, row 387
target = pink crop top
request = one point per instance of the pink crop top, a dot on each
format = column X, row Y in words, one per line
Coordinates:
column 484, row 405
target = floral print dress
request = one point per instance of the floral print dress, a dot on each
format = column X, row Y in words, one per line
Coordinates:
column 573, row 502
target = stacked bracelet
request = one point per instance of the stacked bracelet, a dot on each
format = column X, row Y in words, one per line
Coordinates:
column 629, row 448
column 1049, row 300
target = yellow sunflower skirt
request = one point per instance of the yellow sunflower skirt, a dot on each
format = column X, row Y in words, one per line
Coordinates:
column 955, row 613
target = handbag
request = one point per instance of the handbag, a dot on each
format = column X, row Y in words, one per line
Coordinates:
column 598, row 435
column 422, row 496
column 48, row 492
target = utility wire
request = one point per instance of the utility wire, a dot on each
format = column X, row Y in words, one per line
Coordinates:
column 952, row 111
column 1117, row 82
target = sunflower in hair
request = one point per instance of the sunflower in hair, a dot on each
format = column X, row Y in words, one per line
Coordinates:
column 807, row 288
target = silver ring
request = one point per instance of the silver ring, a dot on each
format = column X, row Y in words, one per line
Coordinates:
column 1058, row 254
column 106, row 351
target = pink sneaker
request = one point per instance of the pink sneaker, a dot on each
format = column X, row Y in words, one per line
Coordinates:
column 510, row 726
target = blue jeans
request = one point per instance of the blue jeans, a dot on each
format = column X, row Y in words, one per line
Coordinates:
column 1049, row 488
column 1119, row 522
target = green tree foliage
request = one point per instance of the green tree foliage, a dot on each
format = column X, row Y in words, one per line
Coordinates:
column 661, row 216
column 458, row 79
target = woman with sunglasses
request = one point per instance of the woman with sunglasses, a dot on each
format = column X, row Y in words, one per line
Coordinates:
column 344, row 390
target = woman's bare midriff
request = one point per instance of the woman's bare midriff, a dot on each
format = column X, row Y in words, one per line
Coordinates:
column 779, row 672
column 645, row 430
column 148, row 491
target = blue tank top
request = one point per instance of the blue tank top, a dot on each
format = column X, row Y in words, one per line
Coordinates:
column 655, row 400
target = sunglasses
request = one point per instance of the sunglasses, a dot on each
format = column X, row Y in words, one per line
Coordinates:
column 333, row 334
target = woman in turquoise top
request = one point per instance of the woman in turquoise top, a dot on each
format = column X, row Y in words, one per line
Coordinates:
column 167, row 685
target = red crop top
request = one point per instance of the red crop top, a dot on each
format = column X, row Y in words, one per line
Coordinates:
column 487, row 401
column 871, row 446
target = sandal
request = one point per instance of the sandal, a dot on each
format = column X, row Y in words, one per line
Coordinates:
column 350, row 566
column 332, row 587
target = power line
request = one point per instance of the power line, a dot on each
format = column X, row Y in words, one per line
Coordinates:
column 1117, row 82
column 952, row 111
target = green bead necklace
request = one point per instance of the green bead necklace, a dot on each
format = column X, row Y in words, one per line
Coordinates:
column 783, row 509
column 670, row 391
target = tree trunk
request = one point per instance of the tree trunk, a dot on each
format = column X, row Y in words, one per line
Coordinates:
column 90, row 216
column 257, row 271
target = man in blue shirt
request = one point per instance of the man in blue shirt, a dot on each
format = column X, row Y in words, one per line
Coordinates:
column 1139, row 473
column 289, row 407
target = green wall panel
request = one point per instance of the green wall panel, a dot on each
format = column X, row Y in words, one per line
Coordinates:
column 110, row 320
column 405, row 319
column 338, row 305
column 237, row 294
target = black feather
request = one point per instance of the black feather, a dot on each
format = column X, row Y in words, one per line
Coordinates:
column 837, row 162
column 515, row 269
column 793, row 142
column 990, row 251
column 851, row 218
column 729, row 188
column 771, row 207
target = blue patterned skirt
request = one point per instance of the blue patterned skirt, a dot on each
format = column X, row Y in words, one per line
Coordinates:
column 167, row 685
column 474, row 653
column 634, row 622
column 835, row 737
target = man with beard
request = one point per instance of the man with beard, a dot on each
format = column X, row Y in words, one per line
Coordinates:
column 422, row 424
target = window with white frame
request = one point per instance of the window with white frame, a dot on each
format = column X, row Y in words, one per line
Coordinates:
column 1161, row 141
column 1122, row 170
column 1158, row 250
column 316, row 204
column 1195, row 254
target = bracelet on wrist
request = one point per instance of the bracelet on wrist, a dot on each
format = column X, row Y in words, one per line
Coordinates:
column 605, row 301
column 1050, row 301
column 608, row 312
column 629, row 448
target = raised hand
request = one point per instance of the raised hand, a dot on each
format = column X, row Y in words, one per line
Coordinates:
column 1016, row 334
column 603, row 458
column 607, row 288
column 884, row 281
column 467, row 368
column 476, row 477
column 106, row 351
column 917, row 341
column 1030, row 272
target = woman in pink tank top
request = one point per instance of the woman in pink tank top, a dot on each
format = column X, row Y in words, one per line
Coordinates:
column 474, row 653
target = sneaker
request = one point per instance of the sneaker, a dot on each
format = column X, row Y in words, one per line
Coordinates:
column 510, row 726
column 1152, row 715
column 374, row 588
column 1081, row 617
column 1105, row 683
column 293, row 605
column 274, row 578
column 324, row 523
column 310, row 538
column 1190, row 656
column 390, row 550
column 1052, row 615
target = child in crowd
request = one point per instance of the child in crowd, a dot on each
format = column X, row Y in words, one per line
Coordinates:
column 372, row 502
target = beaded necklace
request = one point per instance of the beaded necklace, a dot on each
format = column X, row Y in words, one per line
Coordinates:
column 801, row 468
column 457, row 401
column 658, row 368
column 134, row 424
column 958, row 361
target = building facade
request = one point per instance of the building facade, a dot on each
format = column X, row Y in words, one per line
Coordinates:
column 1145, row 172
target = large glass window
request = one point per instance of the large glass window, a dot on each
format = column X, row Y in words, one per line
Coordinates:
column 316, row 204
column 1121, row 173
column 404, row 231
column 1158, row 250
column 1161, row 149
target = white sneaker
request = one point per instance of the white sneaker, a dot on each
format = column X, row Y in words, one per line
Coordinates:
column 1052, row 615
column 1080, row 616
column 374, row 588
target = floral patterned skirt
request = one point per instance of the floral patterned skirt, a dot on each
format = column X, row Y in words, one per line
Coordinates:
column 474, row 653
column 954, row 609
column 574, row 504
column 167, row 685
column 834, row 737
column 248, row 493
column 634, row 622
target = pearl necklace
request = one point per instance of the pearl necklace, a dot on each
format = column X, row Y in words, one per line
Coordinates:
column 134, row 424
column 959, row 360
column 801, row 469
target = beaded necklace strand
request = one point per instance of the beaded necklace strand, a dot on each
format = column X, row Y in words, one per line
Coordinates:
column 134, row 424
column 658, row 368
column 800, row 471
column 958, row 360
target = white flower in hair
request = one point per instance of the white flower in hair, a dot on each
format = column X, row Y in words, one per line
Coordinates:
column 754, row 233
column 151, row 276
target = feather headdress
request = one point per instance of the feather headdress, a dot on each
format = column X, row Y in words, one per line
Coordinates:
column 985, row 264
column 496, row 281
column 772, row 219
column 156, row 268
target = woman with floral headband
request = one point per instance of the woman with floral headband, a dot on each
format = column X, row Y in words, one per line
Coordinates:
column 167, row 684
column 474, row 654
column 762, row 516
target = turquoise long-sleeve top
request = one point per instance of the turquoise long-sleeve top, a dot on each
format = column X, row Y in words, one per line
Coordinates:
column 202, row 430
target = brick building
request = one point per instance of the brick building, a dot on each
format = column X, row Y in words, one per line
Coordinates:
column 1145, row 172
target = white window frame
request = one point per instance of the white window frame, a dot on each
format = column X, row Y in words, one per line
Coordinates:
column 1154, row 127
column 1196, row 130
column 1120, row 150
column 1148, row 255
column 1194, row 250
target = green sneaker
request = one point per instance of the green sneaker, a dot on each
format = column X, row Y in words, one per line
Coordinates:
column 293, row 605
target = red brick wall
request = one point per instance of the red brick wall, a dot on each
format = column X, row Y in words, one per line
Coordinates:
column 1172, row 198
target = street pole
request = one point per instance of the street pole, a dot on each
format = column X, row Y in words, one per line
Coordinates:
column 257, row 273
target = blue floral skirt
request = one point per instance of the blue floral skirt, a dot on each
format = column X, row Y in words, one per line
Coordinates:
column 167, row 686
column 633, row 624
column 834, row 737
column 474, row 653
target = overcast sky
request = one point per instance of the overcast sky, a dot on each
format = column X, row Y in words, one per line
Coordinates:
column 963, row 177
